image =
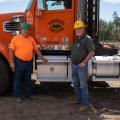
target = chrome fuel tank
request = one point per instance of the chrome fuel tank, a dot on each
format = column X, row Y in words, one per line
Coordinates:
column 104, row 66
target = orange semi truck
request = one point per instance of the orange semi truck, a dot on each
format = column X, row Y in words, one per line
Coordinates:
column 51, row 23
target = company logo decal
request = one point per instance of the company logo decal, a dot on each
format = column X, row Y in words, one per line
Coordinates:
column 56, row 25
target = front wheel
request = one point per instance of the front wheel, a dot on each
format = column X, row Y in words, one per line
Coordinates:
column 4, row 76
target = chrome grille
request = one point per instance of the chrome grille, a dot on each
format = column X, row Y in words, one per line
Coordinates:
column 11, row 26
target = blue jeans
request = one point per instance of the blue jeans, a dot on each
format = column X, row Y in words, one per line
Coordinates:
column 79, row 79
column 22, row 74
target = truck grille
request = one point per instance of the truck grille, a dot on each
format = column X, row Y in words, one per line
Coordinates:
column 11, row 26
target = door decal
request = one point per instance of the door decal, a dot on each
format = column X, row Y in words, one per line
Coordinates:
column 56, row 25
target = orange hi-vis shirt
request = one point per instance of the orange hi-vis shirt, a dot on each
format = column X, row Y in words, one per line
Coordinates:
column 23, row 47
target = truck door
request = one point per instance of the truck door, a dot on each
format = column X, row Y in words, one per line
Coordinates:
column 54, row 21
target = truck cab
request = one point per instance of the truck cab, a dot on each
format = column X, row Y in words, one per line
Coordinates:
column 53, row 24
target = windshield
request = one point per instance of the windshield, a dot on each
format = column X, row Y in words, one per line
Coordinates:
column 55, row 4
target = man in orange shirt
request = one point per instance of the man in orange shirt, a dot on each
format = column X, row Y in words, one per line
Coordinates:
column 22, row 48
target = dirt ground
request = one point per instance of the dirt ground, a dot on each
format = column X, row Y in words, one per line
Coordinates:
column 53, row 103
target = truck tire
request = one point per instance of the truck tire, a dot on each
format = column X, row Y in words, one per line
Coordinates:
column 4, row 76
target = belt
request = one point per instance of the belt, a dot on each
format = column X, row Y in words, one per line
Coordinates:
column 76, row 63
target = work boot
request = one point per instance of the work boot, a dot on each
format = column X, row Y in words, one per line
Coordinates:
column 18, row 99
column 83, row 108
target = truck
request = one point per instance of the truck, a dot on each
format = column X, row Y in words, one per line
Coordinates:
column 51, row 23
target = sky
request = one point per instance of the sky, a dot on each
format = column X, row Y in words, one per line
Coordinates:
column 8, row 6
column 107, row 7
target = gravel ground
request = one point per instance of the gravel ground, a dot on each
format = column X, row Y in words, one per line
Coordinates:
column 53, row 103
